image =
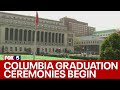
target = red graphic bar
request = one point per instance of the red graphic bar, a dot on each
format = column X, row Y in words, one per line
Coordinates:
column 101, row 69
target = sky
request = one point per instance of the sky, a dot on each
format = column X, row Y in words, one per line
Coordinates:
column 101, row 20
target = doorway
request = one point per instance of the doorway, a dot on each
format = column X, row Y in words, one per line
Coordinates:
column 38, row 51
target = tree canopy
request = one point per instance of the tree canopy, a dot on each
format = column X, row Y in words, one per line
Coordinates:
column 110, row 48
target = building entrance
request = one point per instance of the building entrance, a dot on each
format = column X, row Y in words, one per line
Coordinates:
column 38, row 50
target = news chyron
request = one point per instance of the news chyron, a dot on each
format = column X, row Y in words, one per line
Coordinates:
column 11, row 57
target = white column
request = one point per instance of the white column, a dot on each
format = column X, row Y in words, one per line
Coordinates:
column 8, row 34
column 58, row 38
column 43, row 37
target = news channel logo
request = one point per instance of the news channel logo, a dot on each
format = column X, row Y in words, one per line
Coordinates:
column 12, row 57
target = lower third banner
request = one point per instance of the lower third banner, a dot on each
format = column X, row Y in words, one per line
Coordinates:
column 59, row 69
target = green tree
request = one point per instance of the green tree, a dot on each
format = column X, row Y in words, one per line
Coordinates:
column 110, row 48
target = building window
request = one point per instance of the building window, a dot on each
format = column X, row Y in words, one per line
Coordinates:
column 49, row 49
column 20, row 48
column 16, row 34
column 69, row 40
column 25, row 49
column 15, row 48
column 69, row 44
column 25, row 35
column 62, row 38
column 11, row 49
column 42, row 35
column 11, row 34
column 56, row 37
column 6, row 48
column 49, row 37
column 63, row 50
column 59, row 38
column 45, row 36
column 6, row 33
column 33, row 35
column 29, row 35
column 20, row 34
column 45, row 49
column 38, row 35
column 53, row 49
column 52, row 37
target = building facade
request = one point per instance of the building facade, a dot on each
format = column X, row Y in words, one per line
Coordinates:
column 104, row 33
column 77, row 27
column 89, row 45
column 17, row 35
